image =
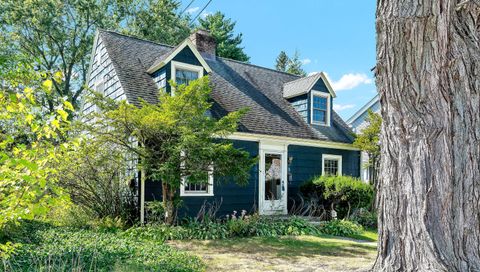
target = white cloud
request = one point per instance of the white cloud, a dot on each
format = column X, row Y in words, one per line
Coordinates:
column 312, row 73
column 192, row 10
column 350, row 81
column 306, row 61
column 340, row 107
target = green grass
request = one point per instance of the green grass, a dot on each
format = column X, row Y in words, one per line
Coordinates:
column 282, row 253
column 370, row 235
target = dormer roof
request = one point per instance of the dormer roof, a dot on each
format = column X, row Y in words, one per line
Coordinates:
column 305, row 84
column 167, row 57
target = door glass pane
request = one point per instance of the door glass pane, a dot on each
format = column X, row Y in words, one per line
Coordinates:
column 273, row 176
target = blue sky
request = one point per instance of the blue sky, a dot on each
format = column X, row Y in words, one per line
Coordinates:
column 334, row 36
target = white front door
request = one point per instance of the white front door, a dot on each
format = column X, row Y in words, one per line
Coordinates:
column 273, row 179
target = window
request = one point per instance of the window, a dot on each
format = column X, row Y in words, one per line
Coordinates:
column 185, row 76
column 183, row 73
column 331, row 165
column 197, row 189
column 320, row 108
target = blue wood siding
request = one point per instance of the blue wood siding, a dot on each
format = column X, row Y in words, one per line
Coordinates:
column 359, row 123
column 307, row 163
column 301, row 105
column 233, row 197
column 184, row 56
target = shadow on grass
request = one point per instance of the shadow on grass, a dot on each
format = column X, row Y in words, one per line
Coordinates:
column 290, row 247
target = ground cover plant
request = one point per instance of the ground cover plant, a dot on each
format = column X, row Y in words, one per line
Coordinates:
column 44, row 247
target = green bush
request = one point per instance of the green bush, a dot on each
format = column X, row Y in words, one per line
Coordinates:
column 365, row 218
column 343, row 193
column 208, row 230
column 42, row 247
column 341, row 228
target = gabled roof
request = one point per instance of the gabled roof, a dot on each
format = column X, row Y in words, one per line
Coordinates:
column 167, row 57
column 305, row 84
column 235, row 85
column 362, row 110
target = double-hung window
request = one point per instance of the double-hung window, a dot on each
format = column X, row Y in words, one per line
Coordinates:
column 331, row 165
column 197, row 188
column 320, row 108
column 183, row 73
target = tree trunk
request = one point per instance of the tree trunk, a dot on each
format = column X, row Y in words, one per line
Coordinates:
column 428, row 76
column 167, row 199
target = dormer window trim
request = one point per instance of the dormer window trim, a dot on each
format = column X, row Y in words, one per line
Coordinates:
column 327, row 119
column 184, row 66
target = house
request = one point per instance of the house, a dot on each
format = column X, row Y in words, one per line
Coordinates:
column 358, row 122
column 291, row 125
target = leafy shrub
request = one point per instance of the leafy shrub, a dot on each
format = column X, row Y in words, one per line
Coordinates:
column 341, row 228
column 365, row 218
column 341, row 193
column 48, row 248
column 207, row 230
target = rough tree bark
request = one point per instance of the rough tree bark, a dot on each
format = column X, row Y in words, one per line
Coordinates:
column 428, row 76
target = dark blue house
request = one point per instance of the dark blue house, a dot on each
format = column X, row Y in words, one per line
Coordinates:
column 291, row 125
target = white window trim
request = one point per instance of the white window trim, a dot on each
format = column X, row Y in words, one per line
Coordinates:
column 326, row 95
column 193, row 193
column 184, row 66
column 332, row 157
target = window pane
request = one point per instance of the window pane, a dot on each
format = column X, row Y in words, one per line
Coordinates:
column 319, row 102
column 273, row 176
column 185, row 76
column 319, row 116
column 330, row 167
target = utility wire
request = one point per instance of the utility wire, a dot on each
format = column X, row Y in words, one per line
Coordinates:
column 185, row 9
column 208, row 3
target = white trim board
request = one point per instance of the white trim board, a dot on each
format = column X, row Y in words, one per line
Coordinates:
column 332, row 157
column 184, row 44
column 242, row 136
column 185, row 66
column 363, row 109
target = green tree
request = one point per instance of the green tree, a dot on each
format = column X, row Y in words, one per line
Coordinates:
column 29, row 149
column 158, row 20
column 58, row 35
column 292, row 65
column 295, row 65
column 369, row 141
column 222, row 29
column 282, row 61
column 174, row 138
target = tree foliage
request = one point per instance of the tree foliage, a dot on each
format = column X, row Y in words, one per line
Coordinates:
column 174, row 138
column 157, row 20
column 57, row 35
column 369, row 141
column 222, row 29
column 98, row 179
column 282, row 61
column 29, row 149
column 292, row 65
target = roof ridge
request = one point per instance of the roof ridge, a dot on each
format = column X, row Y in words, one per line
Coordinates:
column 258, row 66
column 313, row 75
column 133, row 37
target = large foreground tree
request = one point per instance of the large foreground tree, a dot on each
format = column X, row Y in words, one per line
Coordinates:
column 428, row 75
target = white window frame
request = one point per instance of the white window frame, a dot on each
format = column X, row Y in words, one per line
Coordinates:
column 322, row 94
column 209, row 191
column 184, row 66
column 332, row 157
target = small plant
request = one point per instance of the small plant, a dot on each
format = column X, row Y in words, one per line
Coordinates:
column 341, row 228
column 365, row 218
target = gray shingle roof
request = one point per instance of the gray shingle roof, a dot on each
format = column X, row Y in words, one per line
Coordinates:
column 300, row 86
column 235, row 85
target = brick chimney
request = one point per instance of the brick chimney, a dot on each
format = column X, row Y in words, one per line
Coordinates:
column 204, row 42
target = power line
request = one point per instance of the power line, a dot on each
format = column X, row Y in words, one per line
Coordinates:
column 185, row 9
column 208, row 3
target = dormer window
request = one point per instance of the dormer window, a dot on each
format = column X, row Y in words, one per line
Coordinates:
column 183, row 73
column 320, row 108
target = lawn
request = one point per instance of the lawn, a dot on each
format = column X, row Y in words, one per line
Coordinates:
column 287, row 253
